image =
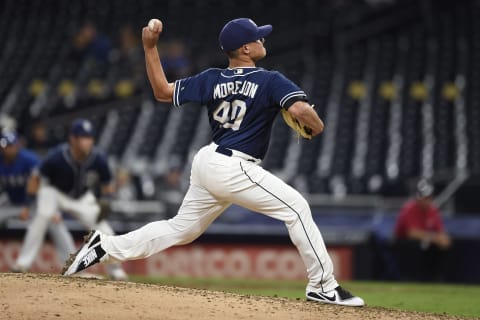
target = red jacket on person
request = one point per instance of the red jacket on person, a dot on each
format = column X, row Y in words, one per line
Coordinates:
column 413, row 216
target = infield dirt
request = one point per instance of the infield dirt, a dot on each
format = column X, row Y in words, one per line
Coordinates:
column 42, row 296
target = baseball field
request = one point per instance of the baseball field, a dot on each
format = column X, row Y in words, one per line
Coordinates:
column 43, row 296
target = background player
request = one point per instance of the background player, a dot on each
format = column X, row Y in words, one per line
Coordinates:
column 242, row 103
column 421, row 240
column 16, row 165
column 69, row 174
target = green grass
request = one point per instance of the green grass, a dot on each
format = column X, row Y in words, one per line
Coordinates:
column 460, row 300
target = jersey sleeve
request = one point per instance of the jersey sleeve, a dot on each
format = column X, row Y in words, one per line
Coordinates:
column 284, row 92
column 104, row 172
column 47, row 166
column 191, row 89
column 33, row 162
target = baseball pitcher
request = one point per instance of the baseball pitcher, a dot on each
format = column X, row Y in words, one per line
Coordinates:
column 242, row 102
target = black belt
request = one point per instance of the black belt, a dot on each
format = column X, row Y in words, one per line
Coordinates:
column 224, row 151
column 228, row 152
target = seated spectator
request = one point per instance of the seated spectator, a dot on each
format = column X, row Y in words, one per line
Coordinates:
column 89, row 42
column 39, row 140
column 131, row 52
column 129, row 58
column 422, row 242
column 175, row 61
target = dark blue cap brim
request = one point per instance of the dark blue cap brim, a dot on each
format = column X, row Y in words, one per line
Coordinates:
column 264, row 31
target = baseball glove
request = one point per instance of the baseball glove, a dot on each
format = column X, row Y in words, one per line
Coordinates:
column 300, row 128
column 105, row 209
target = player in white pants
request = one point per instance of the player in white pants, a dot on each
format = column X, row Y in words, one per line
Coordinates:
column 16, row 165
column 60, row 236
column 242, row 103
column 49, row 203
column 63, row 184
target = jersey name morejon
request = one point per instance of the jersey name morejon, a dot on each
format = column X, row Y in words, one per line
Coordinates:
column 245, row 88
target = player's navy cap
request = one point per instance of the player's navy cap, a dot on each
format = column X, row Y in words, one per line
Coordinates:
column 7, row 138
column 82, row 128
column 240, row 31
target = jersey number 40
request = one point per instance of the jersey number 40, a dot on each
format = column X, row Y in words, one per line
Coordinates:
column 230, row 114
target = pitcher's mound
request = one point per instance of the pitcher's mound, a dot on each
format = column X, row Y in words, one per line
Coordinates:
column 34, row 296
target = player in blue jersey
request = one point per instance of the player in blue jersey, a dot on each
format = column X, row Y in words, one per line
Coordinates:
column 65, row 182
column 16, row 166
column 242, row 102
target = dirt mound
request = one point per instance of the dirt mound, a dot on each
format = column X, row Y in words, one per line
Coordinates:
column 34, row 296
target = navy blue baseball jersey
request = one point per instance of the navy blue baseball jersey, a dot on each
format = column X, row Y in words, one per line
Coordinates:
column 14, row 175
column 71, row 177
column 242, row 104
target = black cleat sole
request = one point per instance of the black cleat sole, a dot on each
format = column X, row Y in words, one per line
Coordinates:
column 72, row 257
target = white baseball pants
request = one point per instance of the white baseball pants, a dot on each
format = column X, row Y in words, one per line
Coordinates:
column 50, row 202
column 216, row 182
column 58, row 232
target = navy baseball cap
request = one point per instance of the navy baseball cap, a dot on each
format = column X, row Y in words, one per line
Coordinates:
column 8, row 138
column 82, row 128
column 240, row 31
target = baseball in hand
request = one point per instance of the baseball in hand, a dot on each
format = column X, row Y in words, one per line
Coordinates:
column 155, row 25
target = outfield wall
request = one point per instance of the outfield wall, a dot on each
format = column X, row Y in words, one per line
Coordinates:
column 267, row 258
column 201, row 260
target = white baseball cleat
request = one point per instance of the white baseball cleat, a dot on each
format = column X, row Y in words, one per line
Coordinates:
column 90, row 253
column 16, row 268
column 338, row 296
column 117, row 274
